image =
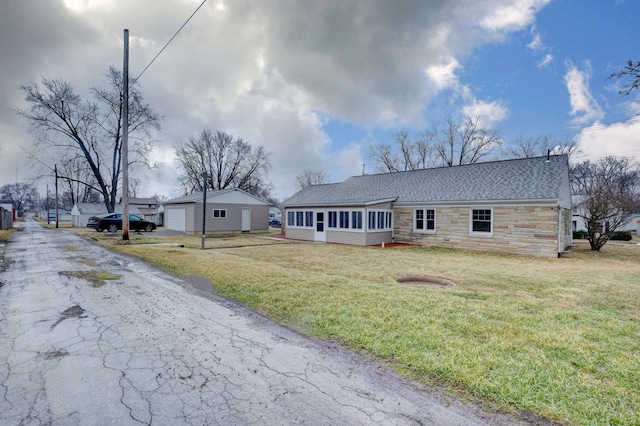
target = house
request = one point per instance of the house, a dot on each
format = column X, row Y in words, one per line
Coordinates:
column 520, row 206
column 227, row 210
column 144, row 205
column 631, row 224
column 81, row 212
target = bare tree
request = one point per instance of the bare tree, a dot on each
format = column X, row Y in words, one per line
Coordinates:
column 91, row 131
column 310, row 177
column 465, row 143
column 227, row 161
column 22, row 196
column 630, row 70
column 403, row 153
column 541, row 146
column 606, row 194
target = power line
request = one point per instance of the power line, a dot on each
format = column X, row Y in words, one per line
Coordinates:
column 169, row 42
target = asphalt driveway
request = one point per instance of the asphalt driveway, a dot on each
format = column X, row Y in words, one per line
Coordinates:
column 143, row 347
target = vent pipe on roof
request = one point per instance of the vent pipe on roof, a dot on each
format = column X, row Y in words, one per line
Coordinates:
column 548, row 155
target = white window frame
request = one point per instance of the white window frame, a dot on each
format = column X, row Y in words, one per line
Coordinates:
column 302, row 216
column 482, row 234
column 424, row 229
column 387, row 220
column 332, row 219
column 222, row 213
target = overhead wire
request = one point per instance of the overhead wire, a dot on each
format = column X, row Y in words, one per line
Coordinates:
column 169, row 42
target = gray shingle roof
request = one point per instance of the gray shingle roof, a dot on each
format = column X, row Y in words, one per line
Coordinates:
column 196, row 197
column 509, row 180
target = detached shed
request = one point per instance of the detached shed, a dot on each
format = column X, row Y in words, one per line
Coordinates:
column 227, row 210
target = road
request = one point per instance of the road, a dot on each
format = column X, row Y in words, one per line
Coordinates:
column 147, row 348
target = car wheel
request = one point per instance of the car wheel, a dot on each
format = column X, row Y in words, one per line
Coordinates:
column 113, row 228
column 99, row 229
column 148, row 228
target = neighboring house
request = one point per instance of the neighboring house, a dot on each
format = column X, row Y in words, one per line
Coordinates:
column 274, row 213
column 81, row 212
column 144, row 205
column 227, row 210
column 520, row 206
column 148, row 208
column 632, row 224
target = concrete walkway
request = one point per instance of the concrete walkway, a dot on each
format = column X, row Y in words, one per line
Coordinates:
column 145, row 348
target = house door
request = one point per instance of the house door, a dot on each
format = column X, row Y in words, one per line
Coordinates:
column 320, row 233
column 246, row 220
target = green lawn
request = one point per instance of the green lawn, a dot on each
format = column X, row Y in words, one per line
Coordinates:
column 557, row 337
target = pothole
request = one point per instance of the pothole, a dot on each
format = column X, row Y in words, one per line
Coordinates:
column 75, row 311
column 55, row 354
column 424, row 280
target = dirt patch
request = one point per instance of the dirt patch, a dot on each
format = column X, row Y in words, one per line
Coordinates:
column 425, row 280
column 394, row 245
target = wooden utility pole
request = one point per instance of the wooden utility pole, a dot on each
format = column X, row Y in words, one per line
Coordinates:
column 125, row 139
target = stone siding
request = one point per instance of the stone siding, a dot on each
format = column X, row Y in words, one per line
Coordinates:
column 528, row 230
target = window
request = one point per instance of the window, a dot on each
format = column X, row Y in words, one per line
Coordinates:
column 344, row 220
column 356, row 220
column 380, row 219
column 219, row 213
column 481, row 223
column 424, row 220
column 300, row 218
column 333, row 220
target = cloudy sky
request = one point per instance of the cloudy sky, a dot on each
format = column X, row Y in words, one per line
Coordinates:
column 316, row 82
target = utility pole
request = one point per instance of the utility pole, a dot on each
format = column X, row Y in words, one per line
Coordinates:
column 125, row 139
column 55, row 168
column 204, row 208
column 47, row 204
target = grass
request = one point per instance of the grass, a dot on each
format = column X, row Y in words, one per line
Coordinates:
column 5, row 234
column 95, row 278
column 557, row 337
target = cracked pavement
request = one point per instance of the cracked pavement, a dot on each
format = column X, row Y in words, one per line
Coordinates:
column 147, row 348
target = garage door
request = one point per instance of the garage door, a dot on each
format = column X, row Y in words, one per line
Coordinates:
column 175, row 219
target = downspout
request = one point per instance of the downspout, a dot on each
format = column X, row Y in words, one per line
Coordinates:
column 558, row 233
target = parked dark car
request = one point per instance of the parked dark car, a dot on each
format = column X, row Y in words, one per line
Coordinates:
column 113, row 222
column 275, row 223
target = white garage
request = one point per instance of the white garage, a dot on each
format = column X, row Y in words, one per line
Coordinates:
column 227, row 210
column 175, row 218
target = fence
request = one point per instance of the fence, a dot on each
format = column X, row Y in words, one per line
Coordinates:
column 6, row 218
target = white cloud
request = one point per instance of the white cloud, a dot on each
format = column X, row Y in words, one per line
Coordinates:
column 545, row 61
column 513, row 15
column 584, row 107
column 444, row 75
column 536, row 43
column 619, row 139
column 490, row 113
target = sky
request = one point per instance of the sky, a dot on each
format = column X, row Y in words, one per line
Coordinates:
column 316, row 82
